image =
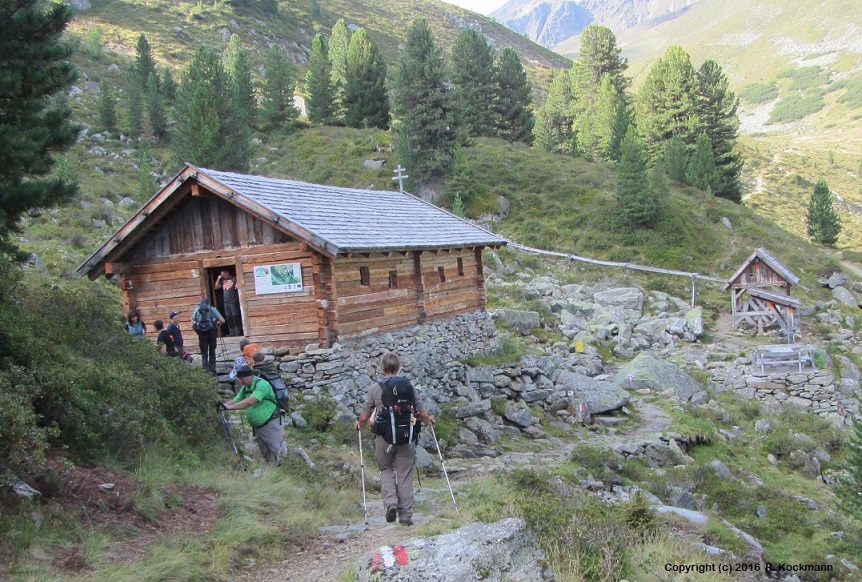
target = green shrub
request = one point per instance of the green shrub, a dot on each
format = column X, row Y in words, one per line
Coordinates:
column 795, row 107
column 804, row 77
column 319, row 413
column 759, row 92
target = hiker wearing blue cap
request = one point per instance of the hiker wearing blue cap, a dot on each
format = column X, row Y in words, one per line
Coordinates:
column 205, row 321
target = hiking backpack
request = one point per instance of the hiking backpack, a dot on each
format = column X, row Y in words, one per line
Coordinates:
column 279, row 390
column 204, row 319
column 396, row 423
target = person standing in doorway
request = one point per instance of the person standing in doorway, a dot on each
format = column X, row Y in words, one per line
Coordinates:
column 205, row 322
column 395, row 461
column 227, row 284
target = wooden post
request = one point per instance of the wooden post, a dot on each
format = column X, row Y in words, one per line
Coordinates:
column 480, row 278
column 693, row 290
column 240, row 288
column 420, row 287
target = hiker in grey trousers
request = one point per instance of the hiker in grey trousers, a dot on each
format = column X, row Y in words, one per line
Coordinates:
column 396, row 462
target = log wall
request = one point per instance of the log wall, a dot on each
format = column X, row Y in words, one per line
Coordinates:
column 457, row 293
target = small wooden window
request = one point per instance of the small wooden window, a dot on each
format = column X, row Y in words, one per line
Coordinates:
column 460, row 267
column 364, row 276
column 442, row 274
column 393, row 279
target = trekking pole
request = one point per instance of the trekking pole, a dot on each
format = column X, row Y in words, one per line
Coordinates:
column 362, row 469
column 226, row 427
column 437, row 446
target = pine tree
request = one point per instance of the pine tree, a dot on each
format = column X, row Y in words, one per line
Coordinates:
column 366, row 100
column 676, row 159
column 822, row 220
column 595, row 137
column 339, row 42
column 145, row 171
column 278, row 110
column 598, row 56
column 33, row 124
column 459, row 184
column 236, row 64
column 318, row 83
column 622, row 122
column 512, row 105
column 169, row 87
column 134, row 103
column 155, row 108
column 427, row 134
column 145, row 64
column 849, row 485
column 553, row 129
column 472, row 76
column 701, row 172
column 107, row 109
column 636, row 200
column 208, row 130
column 667, row 104
column 717, row 106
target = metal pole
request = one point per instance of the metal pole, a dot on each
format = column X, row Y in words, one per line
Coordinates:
column 362, row 470
column 437, row 445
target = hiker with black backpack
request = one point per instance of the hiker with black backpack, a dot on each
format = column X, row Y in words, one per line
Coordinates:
column 205, row 321
column 398, row 408
column 258, row 398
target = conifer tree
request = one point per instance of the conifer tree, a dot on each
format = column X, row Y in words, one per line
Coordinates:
column 366, row 100
column 472, row 76
column 145, row 171
column 33, row 124
column 318, row 83
column 459, row 183
column 717, row 106
column 676, row 159
column 595, row 137
column 667, row 104
column 598, row 56
column 553, row 129
column 622, row 122
column 278, row 109
column 512, row 105
column 107, row 109
column 145, row 63
column 208, row 131
column 427, row 134
column 636, row 200
column 822, row 220
column 701, row 172
column 155, row 108
column 168, row 87
column 134, row 103
column 236, row 64
column 339, row 42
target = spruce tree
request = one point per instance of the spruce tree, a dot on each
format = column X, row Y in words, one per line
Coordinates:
column 278, row 110
column 35, row 69
column 169, row 87
column 596, row 131
column 622, row 122
column 822, row 220
column 155, row 108
column 636, row 200
column 512, row 104
column 145, row 171
column 366, row 100
column 598, row 56
column 472, row 76
column 676, row 159
column 553, row 129
column 134, row 103
column 318, row 83
column 107, row 109
column 339, row 42
column 427, row 134
column 701, row 172
column 667, row 104
column 145, row 63
column 208, row 130
column 238, row 67
column 459, row 184
column 717, row 106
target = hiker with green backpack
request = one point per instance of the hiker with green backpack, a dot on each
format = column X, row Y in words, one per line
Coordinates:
column 262, row 410
column 398, row 407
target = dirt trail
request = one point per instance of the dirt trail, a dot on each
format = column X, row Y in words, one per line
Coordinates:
column 331, row 554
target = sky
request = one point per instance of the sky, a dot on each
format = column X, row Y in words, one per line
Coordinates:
column 480, row 6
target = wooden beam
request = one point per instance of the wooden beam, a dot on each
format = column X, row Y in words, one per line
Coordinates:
column 420, row 286
column 115, row 268
column 196, row 190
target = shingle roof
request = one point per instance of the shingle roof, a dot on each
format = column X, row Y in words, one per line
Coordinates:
column 773, row 263
column 355, row 220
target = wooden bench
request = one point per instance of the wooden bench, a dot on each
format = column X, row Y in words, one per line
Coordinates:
column 782, row 354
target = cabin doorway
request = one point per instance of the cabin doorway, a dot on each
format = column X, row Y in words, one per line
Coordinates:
column 221, row 283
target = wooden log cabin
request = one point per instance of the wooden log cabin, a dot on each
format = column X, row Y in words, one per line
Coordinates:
column 314, row 264
column 760, row 294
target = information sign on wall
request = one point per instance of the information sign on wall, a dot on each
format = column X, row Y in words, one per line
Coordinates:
column 284, row 278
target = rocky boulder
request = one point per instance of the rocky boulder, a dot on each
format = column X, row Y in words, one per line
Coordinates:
column 506, row 550
column 523, row 321
column 599, row 396
column 647, row 371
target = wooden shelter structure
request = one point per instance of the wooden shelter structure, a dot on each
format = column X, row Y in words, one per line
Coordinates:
column 314, row 263
column 760, row 294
